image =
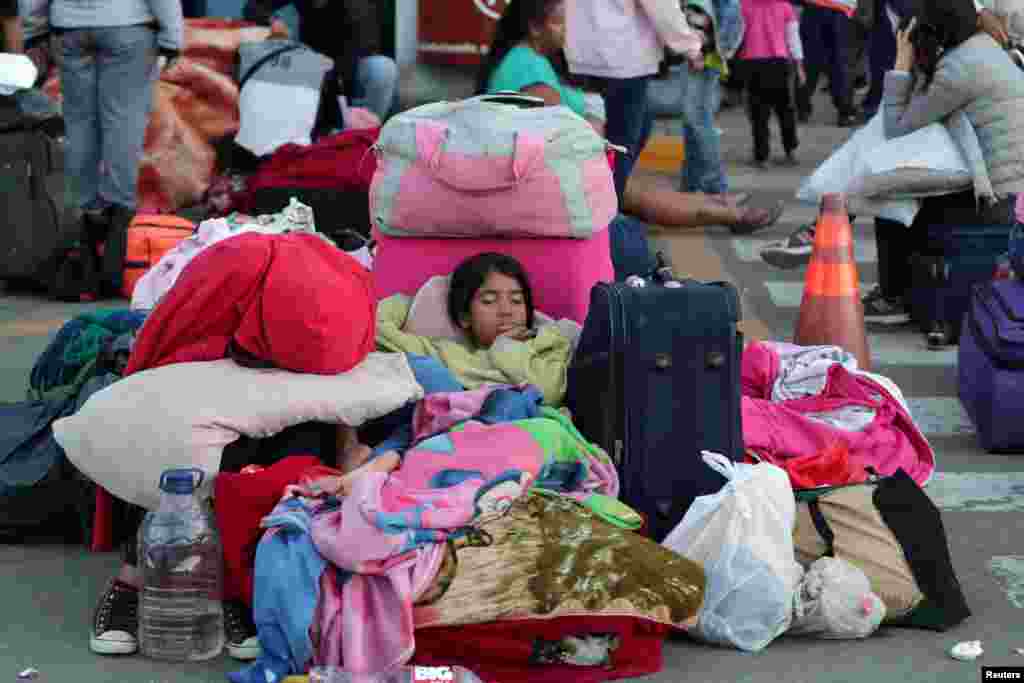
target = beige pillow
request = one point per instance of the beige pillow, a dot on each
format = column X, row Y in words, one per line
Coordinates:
column 428, row 313
column 183, row 415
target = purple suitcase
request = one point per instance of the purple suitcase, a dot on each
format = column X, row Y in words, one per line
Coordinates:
column 991, row 364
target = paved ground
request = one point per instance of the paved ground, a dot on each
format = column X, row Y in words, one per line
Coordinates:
column 48, row 591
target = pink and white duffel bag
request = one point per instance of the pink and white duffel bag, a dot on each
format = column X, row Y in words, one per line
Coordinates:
column 491, row 166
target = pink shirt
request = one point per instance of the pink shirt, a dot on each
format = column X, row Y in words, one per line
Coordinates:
column 766, row 22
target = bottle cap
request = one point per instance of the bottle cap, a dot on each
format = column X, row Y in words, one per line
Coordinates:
column 181, row 481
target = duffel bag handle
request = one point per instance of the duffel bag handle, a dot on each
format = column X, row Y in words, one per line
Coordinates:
column 431, row 149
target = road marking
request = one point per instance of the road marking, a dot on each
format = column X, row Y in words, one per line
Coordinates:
column 789, row 294
column 940, row 416
column 749, row 249
column 978, row 491
column 1009, row 573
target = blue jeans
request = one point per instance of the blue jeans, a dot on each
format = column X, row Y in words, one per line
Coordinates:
column 107, row 76
column 376, row 83
column 628, row 123
column 702, row 168
column 631, row 255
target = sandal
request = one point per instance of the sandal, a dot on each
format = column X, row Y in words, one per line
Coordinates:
column 753, row 219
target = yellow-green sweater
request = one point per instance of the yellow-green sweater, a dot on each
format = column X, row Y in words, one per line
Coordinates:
column 541, row 361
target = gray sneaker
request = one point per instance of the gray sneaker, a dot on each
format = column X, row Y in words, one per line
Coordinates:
column 794, row 252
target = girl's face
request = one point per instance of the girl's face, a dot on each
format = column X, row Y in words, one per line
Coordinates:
column 499, row 306
column 549, row 36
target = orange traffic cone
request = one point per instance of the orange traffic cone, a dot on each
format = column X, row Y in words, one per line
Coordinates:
column 831, row 311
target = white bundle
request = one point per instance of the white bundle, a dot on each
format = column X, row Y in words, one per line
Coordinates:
column 834, row 600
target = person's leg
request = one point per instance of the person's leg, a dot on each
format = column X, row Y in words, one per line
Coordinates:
column 759, row 95
column 814, row 57
column 841, row 84
column 887, row 302
column 882, row 56
column 81, row 118
column 782, row 103
column 628, row 121
column 376, row 82
column 127, row 70
column 702, row 169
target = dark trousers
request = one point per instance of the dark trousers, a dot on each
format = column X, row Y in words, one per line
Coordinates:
column 897, row 243
column 628, row 124
column 882, row 48
column 827, row 37
column 769, row 90
column 310, row 438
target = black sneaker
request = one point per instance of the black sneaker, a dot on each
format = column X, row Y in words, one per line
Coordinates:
column 115, row 624
column 794, row 252
column 240, row 632
column 882, row 311
column 847, row 121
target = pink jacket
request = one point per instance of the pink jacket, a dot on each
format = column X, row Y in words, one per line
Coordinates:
column 772, row 28
column 778, row 431
column 625, row 38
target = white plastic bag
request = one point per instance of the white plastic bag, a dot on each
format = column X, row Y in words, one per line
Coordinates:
column 924, row 163
column 835, row 601
column 743, row 537
column 17, row 72
column 837, row 172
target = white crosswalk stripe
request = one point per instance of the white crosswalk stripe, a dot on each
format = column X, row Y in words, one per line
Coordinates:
column 748, row 250
column 789, row 294
column 1009, row 572
column 977, row 491
column 940, row 415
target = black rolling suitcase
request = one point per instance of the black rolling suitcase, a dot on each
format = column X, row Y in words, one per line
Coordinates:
column 654, row 381
column 32, row 185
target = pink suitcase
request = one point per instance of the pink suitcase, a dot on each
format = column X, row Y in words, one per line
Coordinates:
column 562, row 271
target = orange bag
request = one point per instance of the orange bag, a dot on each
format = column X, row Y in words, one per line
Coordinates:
column 150, row 236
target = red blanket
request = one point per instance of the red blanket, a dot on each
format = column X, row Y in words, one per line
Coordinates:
column 194, row 103
column 292, row 300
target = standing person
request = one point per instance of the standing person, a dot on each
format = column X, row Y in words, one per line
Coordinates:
column 828, row 36
column 347, row 31
column 621, row 43
column 720, row 25
column 109, row 62
column 770, row 49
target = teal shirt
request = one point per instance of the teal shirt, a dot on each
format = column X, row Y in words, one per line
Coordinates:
column 523, row 67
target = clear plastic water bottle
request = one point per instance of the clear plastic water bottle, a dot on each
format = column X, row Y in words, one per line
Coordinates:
column 180, row 558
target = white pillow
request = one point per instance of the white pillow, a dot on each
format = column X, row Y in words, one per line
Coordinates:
column 183, row 415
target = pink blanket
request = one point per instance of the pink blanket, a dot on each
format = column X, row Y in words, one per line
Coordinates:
column 390, row 531
column 777, row 431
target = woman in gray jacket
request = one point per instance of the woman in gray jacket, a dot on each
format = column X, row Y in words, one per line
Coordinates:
column 945, row 64
column 110, row 51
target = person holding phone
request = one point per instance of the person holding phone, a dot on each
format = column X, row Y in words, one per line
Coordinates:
column 946, row 63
